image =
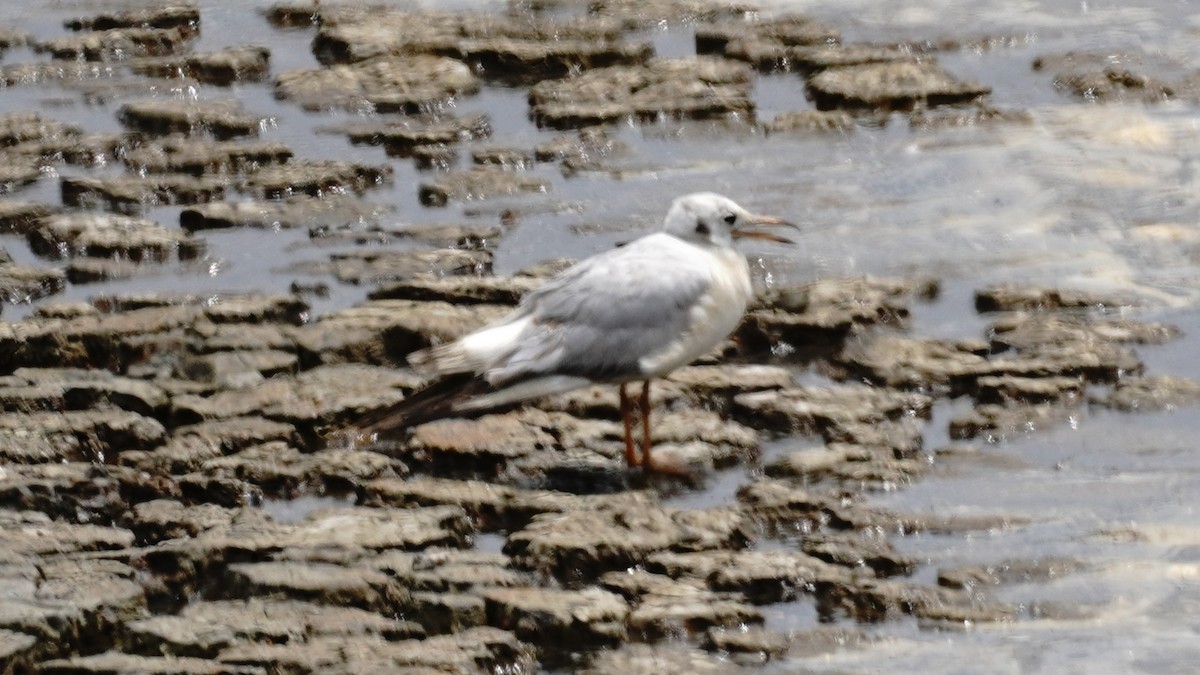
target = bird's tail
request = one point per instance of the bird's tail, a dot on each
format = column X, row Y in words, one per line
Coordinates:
column 478, row 352
column 443, row 359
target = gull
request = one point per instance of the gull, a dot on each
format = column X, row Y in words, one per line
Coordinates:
column 630, row 314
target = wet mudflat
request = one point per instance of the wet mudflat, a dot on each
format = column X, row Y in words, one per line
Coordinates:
column 955, row 433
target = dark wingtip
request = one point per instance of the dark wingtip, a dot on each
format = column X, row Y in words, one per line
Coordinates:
column 434, row 402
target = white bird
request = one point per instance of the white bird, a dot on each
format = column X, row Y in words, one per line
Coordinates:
column 630, row 314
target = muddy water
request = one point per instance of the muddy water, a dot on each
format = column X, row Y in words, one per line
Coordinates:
column 1089, row 196
column 1074, row 199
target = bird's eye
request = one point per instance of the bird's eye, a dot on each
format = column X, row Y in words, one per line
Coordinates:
column 731, row 219
column 701, row 228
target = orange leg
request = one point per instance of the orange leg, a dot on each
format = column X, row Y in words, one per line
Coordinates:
column 645, row 406
column 626, row 413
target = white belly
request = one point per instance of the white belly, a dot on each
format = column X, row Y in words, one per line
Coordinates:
column 712, row 319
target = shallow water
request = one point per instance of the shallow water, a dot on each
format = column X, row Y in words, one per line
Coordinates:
column 297, row 509
column 1088, row 196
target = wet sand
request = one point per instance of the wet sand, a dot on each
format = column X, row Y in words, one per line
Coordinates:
column 953, row 436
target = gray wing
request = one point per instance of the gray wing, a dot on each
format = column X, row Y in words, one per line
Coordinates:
column 599, row 318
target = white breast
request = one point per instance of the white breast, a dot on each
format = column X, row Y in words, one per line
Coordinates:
column 714, row 316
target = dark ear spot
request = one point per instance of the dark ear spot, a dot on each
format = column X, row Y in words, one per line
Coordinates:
column 701, row 228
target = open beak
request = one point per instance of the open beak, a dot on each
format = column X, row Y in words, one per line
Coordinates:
column 763, row 221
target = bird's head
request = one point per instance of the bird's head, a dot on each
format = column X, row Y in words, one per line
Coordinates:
column 710, row 218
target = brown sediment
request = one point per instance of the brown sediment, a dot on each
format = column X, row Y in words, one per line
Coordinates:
column 140, row 432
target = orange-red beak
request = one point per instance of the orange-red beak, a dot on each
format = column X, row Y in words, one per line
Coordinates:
column 768, row 221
